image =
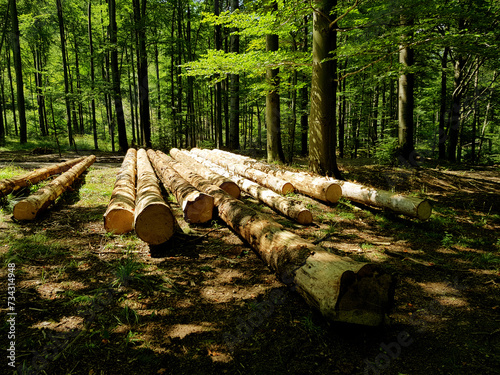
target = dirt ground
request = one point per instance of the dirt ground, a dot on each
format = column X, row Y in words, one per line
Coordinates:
column 92, row 303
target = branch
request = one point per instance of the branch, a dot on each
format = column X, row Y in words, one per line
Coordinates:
column 345, row 14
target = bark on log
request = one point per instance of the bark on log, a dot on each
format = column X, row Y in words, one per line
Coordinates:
column 342, row 289
column 291, row 208
column 29, row 208
column 8, row 185
column 154, row 223
column 409, row 206
column 224, row 183
column 268, row 180
column 119, row 216
column 197, row 207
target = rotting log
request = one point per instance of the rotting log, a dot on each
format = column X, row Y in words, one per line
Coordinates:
column 119, row 216
column 9, row 185
column 342, row 289
column 291, row 208
column 29, row 208
column 277, row 184
column 154, row 222
column 224, row 183
column 197, row 207
column 409, row 206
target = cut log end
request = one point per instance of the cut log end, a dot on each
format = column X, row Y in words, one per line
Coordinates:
column 232, row 189
column 333, row 193
column 305, row 217
column 119, row 221
column 155, row 224
column 424, row 210
column 287, row 188
column 24, row 210
column 200, row 210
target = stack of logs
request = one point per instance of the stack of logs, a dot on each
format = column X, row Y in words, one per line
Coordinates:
column 340, row 288
column 29, row 208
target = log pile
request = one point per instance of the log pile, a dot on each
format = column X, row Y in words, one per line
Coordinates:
column 29, row 208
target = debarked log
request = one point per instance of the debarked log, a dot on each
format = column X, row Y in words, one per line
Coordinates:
column 119, row 216
column 29, row 208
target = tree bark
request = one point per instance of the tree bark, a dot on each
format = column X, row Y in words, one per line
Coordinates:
column 234, row 135
column 119, row 216
column 9, row 185
column 29, row 208
column 154, row 223
column 197, row 207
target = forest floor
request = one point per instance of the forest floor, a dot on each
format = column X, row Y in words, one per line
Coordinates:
column 92, row 303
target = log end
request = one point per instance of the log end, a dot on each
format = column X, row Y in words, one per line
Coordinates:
column 305, row 217
column 231, row 188
column 24, row 210
column 119, row 221
column 287, row 188
column 155, row 224
column 199, row 210
column 424, row 210
column 333, row 192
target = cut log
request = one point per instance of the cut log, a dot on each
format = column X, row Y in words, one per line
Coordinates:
column 341, row 288
column 316, row 187
column 9, row 185
column 119, row 216
column 409, row 206
column 224, row 183
column 154, row 223
column 29, row 208
column 291, row 208
column 197, row 207
column 270, row 181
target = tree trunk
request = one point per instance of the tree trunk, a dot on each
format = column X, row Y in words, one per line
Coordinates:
column 234, row 135
column 9, row 185
column 340, row 288
column 222, row 182
column 322, row 125
column 442, row 111
column 197, row 207
column 119, row 216
column 28, row 208
column 18, row 66
column 316, row 187
column 154, row 223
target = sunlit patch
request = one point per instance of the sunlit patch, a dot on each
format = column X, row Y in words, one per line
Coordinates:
column 182, row 330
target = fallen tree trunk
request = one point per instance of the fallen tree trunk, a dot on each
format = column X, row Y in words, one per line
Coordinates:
column 154, row 223
column 270, row 181
column 317, row 187
column 224, row 183
column 293, row 209
column 409, row 206
column 9, row 185
column 341, row 288
column 197, row 207
column 119, row 216
column 29, row 208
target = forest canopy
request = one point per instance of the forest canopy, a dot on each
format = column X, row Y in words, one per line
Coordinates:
column 388, row 79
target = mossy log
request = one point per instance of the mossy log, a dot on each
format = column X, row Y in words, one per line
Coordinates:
column 9, row 185
column 119, row 216
column 197, row 207
column 342, row 289
column 29, row 208
column 154, row 222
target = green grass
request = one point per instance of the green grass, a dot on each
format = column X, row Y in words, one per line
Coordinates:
column 31, row 247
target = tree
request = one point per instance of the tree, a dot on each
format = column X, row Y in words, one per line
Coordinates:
column 235, row 90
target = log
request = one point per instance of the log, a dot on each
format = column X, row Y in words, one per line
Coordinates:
column 316, row 187
column 197, row 207
column 291, row 208
column 274, row 183
column 9, row 185
column 342, row 289
column 409, row 206
column 29, row 208
column 154, row 222
column 119, row 216
column 224, row 183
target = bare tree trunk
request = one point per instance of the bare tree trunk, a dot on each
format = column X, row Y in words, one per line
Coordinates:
column 235, row 90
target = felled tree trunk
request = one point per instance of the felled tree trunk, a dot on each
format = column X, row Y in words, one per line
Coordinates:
column 316, row 187
column 119, row 216
column 28, row 208
column 197, row 207
column 154, row 222
column 342, row 289
column 8, row 185
column 224, row 183
column 291, row 208
column 276, row 184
